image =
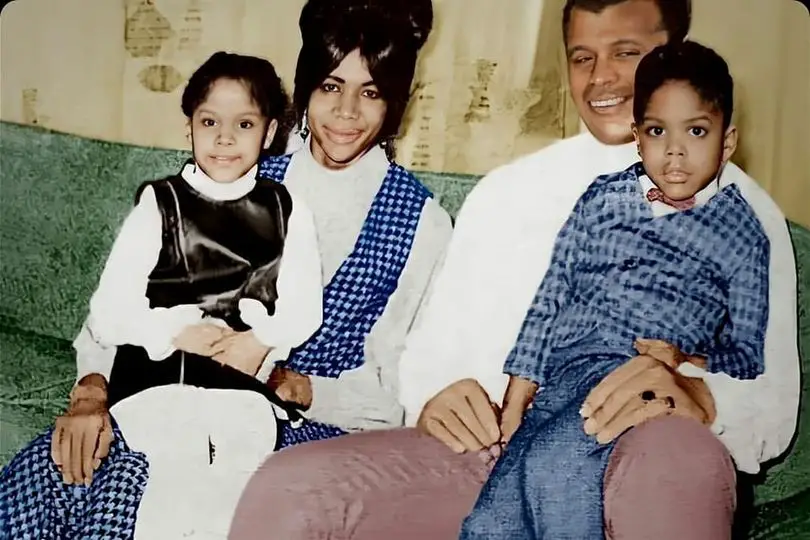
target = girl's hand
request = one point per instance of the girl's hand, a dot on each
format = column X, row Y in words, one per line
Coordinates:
column 241, row 350
column 200, row 339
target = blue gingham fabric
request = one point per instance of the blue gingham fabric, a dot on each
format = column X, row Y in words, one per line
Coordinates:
column 358, row 292
column 696, row 278
column 36, row 505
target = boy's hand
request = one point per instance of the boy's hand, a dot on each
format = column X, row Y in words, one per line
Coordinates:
column 82, row 436
column 241, row 350
column 291, row 387
column 511, row 417
column 200, row 339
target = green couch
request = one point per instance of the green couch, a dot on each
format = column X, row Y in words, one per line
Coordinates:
column 61, row 200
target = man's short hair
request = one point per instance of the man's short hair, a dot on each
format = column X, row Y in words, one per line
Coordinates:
column 676, row 15
column 689, row 62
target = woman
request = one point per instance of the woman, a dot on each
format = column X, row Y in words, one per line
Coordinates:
column 381, row 235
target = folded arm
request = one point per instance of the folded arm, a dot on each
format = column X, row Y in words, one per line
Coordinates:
column 299, row 306
column 119, row 309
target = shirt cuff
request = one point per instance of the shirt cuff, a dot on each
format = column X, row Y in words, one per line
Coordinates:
column 273, row 357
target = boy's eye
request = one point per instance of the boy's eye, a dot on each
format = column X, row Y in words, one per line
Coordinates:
column 654, row 131
column 581, row 59
column 627, row 54
column 245, row 124
column 697, row 131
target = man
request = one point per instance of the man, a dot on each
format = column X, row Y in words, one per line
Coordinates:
column 670, row 477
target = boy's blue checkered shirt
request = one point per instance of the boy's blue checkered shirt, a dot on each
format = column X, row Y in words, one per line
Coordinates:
column 697, row 279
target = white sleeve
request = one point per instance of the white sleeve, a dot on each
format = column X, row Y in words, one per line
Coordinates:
column 756, row 419
column 453, row 338
column 119, row 309
column 92, row 356
column 299, row 306
column 499, row 252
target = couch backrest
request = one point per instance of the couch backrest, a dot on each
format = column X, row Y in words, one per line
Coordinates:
column 62, row 199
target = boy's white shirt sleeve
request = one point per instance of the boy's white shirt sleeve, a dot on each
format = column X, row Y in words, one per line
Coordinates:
column 119, row 309
column 299, row 306
column 756, row 419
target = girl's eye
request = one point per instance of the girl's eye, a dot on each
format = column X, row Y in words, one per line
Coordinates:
column 371, row 94
column 208, row 122
column 245, row 124
column 655, row 131
column 329, row 87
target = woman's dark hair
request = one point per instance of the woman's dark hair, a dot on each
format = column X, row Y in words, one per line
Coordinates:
column 389, row 35
column 690, row 62
column 676, row 15
column 259, row 78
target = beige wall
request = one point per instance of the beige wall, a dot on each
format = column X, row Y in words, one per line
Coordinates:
column 490, row 83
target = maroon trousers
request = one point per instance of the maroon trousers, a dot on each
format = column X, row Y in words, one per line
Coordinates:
column 669, row 478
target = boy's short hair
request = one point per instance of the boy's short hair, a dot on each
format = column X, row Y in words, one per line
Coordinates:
column 676, row 15
column 689, row 62
column 257, row 74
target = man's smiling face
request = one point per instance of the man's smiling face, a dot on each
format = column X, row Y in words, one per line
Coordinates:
column 603, row 50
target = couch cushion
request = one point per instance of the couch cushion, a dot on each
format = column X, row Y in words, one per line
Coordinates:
column 36, row 374
column 791, row 476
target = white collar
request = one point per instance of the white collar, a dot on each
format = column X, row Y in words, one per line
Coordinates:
column 221, row 191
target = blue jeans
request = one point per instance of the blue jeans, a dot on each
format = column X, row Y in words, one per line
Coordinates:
column 548, row 483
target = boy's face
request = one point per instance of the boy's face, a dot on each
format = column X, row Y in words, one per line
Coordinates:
column 228, row 131
column 681, row 140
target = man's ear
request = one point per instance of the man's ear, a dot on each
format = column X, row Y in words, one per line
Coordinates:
column 272, row 127
column 729, row 143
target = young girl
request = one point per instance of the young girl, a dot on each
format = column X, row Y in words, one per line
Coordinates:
column 209, row 265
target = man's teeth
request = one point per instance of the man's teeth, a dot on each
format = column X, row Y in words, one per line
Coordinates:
column 608, row 102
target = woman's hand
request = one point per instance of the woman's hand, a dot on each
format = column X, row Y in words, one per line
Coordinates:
column 82, row 436
column 291, row 387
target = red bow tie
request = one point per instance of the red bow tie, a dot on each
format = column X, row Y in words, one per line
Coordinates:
column 656, row 194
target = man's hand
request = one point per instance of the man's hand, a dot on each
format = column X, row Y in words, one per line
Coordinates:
column 291, row 387
column 240, row 350
column 200, row 339
column 462, row 417
column 643, row 388
column 82, row 436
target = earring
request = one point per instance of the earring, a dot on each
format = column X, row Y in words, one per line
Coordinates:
column 304, row 133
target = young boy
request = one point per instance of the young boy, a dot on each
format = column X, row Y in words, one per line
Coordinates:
column 664, row 258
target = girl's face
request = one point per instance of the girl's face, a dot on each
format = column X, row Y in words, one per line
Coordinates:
column 345, row 114
column 228, row 131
